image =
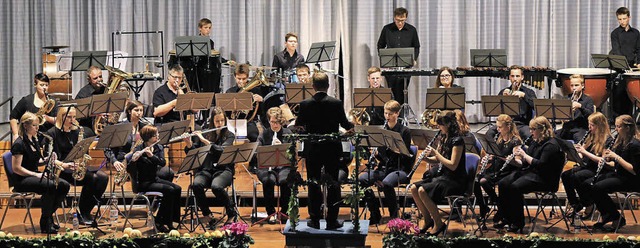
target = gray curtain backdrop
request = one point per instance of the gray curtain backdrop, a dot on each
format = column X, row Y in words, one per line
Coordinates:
column 558, row 34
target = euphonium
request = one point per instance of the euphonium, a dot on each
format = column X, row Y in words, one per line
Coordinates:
column 359, row 116
column 429, row 118
column 257, row 80
column 46, row 108
column 116, row 77
column 81, row 170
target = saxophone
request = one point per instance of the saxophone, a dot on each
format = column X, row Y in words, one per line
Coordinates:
column 46, row 108
column 81, row 170
column 123, row 176
column 54, row 170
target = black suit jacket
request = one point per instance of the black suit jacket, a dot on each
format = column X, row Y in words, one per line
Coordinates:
column 322, row 114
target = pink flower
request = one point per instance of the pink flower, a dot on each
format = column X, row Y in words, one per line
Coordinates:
column 236, row 228
column 402, row 226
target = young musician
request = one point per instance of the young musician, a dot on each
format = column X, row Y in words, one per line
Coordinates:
column 144, row 163
column 590, row 148
column 392, row 169
column 543, row 162
column 211, row 175
column 508, row 138
column 32, row 103
column 445, row 78
column 303, row 73
column 27, row 154
column 449, row 177
column 241, row 75
column 582, row 106
column 625, row 40
column 526, row 97
column 619, row 173
column 376, row 114
column 288, row 58
column 270, row 177
column 323, row 114
column 66, row 134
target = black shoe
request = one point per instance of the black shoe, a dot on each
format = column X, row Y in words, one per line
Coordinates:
column 54, row 225
column 427, row 227
column 375, row 218
column 162, row 228
column 332, row 225
column 484, row 211
column 619, row 224
column 500, row 224
column 315, row 224
column 46, row 226
column 85, row 219
column 232, row 216
column 515, row 229
column 439, row 231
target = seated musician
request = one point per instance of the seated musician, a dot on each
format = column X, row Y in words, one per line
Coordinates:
column 32, row 103
column 303, row 73
column 66, row 134
column 449, row 177
column 274, row 176
column 213, row 175
column 165, row 97
column 143, row 165
column 27, row 154
column 95, row 86
column 543, row 162
column 619, row 173
column 507, row 139
column 445, row 78
column 376, row 114
column 582, row 106
column 241, row 75
column 288, row 58
column 392, row 169
column 526, row 97
column 590, row 148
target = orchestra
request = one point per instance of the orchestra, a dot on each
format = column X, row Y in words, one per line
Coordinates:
column 530, row 156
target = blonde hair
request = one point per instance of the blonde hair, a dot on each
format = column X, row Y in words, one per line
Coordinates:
column 598, row 138
column 277, row 113
column 27, row 118
column 392, row 105
column 543, row 124
column 577, row 76
column 62, row 112
column 623, row 140
column 513, row 129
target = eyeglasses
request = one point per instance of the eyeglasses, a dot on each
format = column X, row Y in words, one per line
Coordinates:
column 176, row 77
column 96, row 78
column 445, row 75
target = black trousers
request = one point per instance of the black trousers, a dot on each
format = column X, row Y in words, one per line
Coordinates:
column 325, row 155
column 165, row 173
column 573, row 178
column 390, row 180
column 607, row 182
column 170, row 205
column 218, row 181
column 397, row 87
column 52, row 196
column 512, row 189
column 271, row 178
column 93, row 185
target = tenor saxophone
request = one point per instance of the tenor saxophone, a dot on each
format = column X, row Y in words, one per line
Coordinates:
column 81, row 170
column 51, row 166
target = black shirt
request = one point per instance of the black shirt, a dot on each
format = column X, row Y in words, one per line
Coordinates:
column 88, row 91
column 30, row 151
column 63, row 142
column 26, row 105
column 376, row 115
column 322, row 114
column 526, row 105
column 506, row 149
column 631, row 154
column 389, row 160
column 161, row 96
column 626, row 43
column 218, row 142
column 548, row 160
column 284, row 61
column 392, row 37
column 145, row 168
column 581, row 115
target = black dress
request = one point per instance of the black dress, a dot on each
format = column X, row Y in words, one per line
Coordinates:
column 447, row 182
column 26, row 105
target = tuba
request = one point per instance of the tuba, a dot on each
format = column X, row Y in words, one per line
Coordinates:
column 429, row 118
column 46, row 108
column 359, row 116
column 116, row 77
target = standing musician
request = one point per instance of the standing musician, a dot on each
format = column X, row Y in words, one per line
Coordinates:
column 241, row 74
column 165, row 97
column 33, row 103
column 323, row 114
column 376, row 114
column 625, row 40
column 449, row 177
column 392, row 169
column 213, row 175
column 619, row 173
column 288, row 58
column 66, row 134
column 26, row 156
column 399, row 34
column 94, row 86
column 582, row 106
column 274, row 176
column 508, row 138
column 526, row 97
column 144, row 163
column 591, row 150
column 543, row 161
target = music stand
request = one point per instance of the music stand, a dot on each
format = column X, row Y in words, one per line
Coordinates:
column 108, row 103
column 422, row 137
column 497, row 105
column 470, row 145
column 375, row 136
column 235, row 102
column 114, row 135
column 237, row 154
column 193, row 161
column 169, row 131
column 371, row 97
column 82, row 60
column 320, row 52
column 400, row 57
column 193, row 47
column 554, row 109
column 395, row 142
column 269, row 157
column 611, row 62
column 296, row 93
column 82, row 106
column 445, row 98
column 193, row 101
column 488, row 144
column 488, row 57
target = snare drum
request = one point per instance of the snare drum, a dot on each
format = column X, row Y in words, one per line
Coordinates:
column 633, row 86
column 595, row 82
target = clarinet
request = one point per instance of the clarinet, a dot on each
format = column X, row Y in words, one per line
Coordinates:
column 603, row 161
column 512, row 156
column 581, row 141
column 423, row 154
column 485, row 161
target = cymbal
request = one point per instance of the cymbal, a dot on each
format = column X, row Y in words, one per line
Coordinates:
column 264, row 67
column 54, row 48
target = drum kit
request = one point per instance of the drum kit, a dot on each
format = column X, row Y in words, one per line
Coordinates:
column 276, row 82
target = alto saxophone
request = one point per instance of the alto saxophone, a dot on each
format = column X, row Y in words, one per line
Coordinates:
column 81, row 170
column 51, row 166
